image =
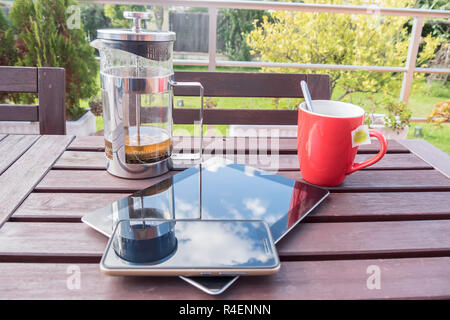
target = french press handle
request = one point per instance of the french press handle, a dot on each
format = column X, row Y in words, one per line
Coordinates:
column 137, row 17
column 202, row 90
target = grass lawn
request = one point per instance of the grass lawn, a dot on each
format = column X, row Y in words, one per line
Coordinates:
column 439, row 137
column 422, row 100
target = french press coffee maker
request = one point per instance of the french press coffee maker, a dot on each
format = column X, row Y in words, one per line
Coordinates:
column 137, row 80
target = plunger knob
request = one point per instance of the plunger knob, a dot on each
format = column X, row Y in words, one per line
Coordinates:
column 137, row 17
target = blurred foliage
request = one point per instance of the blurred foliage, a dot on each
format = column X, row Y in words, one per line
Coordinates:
column 44, row 39
column 115, row 14
column 196, row 9
column 210, row 103
column 440, row 113
column 397, row 116
column 233, row 28
column 435, row 28
column 433, row 4
column 327, row 38
column 436, row 89
column 438, row 136
column 7, row 54
column 94, row 18
column 95, row 105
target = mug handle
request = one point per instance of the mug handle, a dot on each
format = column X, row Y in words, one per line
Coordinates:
column 383, row 143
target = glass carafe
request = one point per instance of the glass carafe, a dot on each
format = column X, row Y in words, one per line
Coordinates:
column 155, row 202
column 136, row 74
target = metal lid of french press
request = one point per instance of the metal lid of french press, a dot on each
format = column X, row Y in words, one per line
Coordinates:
column 136, row 33
column 153, row 45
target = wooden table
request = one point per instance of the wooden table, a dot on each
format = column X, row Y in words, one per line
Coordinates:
column 394, row 215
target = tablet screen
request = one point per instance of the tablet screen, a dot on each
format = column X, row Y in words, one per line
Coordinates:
column 159, row 245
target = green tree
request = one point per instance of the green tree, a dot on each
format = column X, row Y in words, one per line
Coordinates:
column 45, row 40
column 433, row 4
column 327, row 38
column 93, row 17
column 7, row 53
column 233, row 28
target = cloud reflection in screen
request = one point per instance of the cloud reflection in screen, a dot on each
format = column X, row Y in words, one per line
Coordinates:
column 256, row 206
column 187, row 210
column 219, row 244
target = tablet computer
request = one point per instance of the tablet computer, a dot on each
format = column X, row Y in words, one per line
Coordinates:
column 154, row 247
column 216, row 189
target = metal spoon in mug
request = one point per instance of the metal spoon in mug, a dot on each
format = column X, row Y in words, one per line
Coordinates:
column 307, row 96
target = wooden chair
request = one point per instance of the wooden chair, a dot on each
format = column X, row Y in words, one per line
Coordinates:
column 49, row 84
column 243, row 84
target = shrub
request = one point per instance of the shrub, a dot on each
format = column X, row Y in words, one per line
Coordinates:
column 95, row 105
column 93, row 17
column 398, row 115
column 233, row 29
column 342, row 39
column 440, row 113
column 7, row 53
column 45, row 40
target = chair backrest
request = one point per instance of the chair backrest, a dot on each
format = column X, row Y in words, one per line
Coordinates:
column 243, row 84
column 49, row 84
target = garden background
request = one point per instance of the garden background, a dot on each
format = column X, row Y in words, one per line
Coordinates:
column 39, row 33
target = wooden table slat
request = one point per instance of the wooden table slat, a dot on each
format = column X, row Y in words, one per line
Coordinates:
column 339, row 207
column 387, row 180
column 88, row 143
column 12, row 147
column 93, row 181
column 385, row 206
column 236, row 144
column 46, row 242
column 21, row 177
column 400, row 278
column 62, row 206
column 364, row 180
column 89, row 160
column 354, row 240
column 81, row 160
column 432, row 155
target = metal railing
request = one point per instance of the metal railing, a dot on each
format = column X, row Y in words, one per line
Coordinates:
column 409, row 69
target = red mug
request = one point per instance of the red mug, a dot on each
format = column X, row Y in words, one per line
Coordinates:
column 325, row 142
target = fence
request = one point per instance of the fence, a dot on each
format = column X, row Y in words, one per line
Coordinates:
column 408, row 70
column 192, row 28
